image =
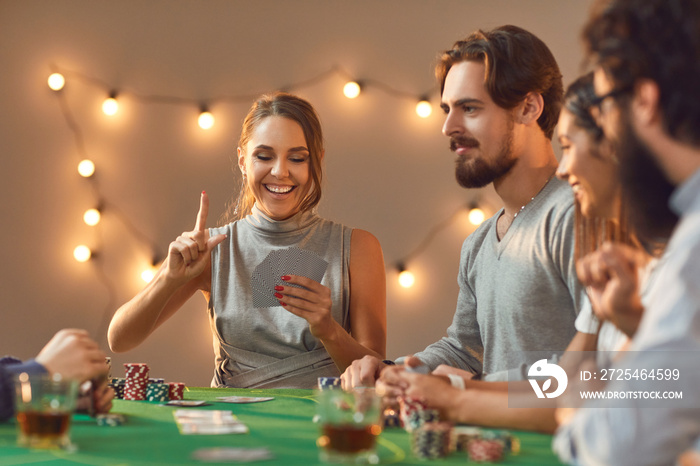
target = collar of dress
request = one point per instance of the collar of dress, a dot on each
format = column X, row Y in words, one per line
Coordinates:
column 297, row 222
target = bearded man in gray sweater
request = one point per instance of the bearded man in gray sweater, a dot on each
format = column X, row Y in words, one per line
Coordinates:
column 501, row 93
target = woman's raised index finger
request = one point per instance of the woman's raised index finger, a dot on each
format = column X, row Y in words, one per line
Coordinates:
column 203, row 212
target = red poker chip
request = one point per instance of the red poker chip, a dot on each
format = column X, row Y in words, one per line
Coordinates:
column 485, row 450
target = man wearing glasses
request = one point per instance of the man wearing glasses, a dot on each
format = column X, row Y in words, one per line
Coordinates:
column 646, row 55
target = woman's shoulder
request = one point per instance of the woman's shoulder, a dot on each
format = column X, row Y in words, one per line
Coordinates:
column 364, row 238
column 223, row 229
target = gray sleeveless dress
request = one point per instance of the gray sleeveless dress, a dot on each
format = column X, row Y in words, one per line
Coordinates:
column 271, row 347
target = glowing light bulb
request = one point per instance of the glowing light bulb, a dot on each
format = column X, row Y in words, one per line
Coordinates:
column 86, row 168
column 206, row 120
column 82, row 253
column 110, row 106
column 476, row 216
column 56, row 81
column 406, row 279
column 424, row 109
column 92, row 217
column 351, row 90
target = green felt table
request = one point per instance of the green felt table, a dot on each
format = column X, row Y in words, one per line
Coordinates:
column 283, row 425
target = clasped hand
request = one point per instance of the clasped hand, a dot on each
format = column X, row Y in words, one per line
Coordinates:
column 610, row 277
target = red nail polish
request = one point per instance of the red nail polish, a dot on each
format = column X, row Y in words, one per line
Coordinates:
column 282, row 304
column 278, row 296
column 279, row 288
column 286, row 277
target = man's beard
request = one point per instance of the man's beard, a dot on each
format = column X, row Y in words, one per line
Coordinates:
column 645, row 189
column 478, row 172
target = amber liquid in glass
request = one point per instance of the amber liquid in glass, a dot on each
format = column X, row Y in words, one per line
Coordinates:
column 45, row 425
column 350, row 438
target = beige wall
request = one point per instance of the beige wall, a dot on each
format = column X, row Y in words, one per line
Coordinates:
column 387, row 170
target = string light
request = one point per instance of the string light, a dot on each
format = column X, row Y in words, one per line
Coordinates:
column 56, row 81
column 206, row 119
column 86, row 168
column 92, row 217
column 424, row 108
column 476, row 215
column 352, row 89
column 82, row 253
column 406, row 278
column 149, row 272
column 110, row 106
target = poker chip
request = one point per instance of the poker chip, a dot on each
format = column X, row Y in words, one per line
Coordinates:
column 136, row 381
column 407, row 407
column 136, row 369
column 431, row 440
column 418, row 417
column 138, row 386
column 135, row 390
column 462, row 435
column 157, row 392
column 118, row 385
column 483, row 450
column 110, row 420
column 328, row 383
column 176, row 390
column 511, row 444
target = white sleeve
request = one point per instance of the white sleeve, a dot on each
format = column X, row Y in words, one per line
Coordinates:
column 586, row 321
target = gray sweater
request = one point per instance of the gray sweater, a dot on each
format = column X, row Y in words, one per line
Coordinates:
column 516, row 295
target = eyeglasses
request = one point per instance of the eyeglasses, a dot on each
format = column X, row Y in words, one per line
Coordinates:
column 595, row 107
column 597, row 101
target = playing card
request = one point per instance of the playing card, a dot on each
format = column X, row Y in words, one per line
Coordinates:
column 208, row 422
column 229, row 454
column 244, row 399
column 185, row 403
column 290, row 261
column 204, row 428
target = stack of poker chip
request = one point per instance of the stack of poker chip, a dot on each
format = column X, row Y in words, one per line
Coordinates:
column 462, row 435
column 136, row 381
column 484, row 449
column 176, row 390
column 329, row 383
column 407, row 407
column 485, row 445
column 110, row 420
column 431, row 440
column 118, row 385
column 418, row 417
column 511, row 444
column 157, row 391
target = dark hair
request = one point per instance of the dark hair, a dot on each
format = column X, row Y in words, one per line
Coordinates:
column 657, row 40
column 577, row 100
column 517, row 63
column 300, row 111
column 591, row 232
